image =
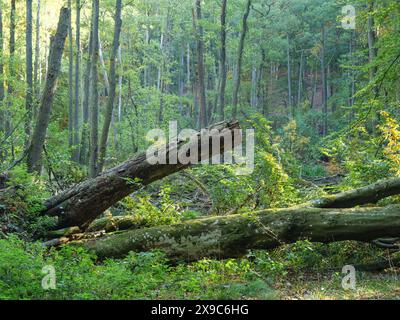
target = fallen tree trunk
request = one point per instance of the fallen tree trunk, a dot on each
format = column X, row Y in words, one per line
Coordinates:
column 231, row 236
column 82, row 204
column 380, row 265
column 120, row 223
column 371, row 194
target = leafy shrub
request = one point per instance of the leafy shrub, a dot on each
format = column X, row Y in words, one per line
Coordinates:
column 166, row 213
column 391, row 133
column 138, row 276
column 20, row 270
column 22, row 205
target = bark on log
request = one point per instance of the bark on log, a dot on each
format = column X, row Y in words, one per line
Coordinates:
column 121, row 223
column 232, row 236
column 63, row 233
column 82, row 204
column 382, row 264
column 371, row 194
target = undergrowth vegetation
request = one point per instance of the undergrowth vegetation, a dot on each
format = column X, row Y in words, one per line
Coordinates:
column 260, row 275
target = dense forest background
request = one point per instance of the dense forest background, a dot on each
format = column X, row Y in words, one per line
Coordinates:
column 78, row 96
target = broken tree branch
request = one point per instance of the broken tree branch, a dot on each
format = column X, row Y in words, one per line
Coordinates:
column 82, row 204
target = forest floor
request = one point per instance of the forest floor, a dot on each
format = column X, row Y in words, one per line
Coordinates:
column 370, row 286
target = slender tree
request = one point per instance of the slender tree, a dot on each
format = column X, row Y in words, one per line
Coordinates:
column 159, row 72
column 11, row 77
column 56, row 52
column 222, row 63
column 324, row 82
column 120, row 80
column 300, row 82
column 163, row 68
column 104, row 69
column 70, row 80
column 2, row 116
column 238, row 75
column 200, row 64
column 289, row 70
column 29, row 71
column 113, row 85
column 147, row 42
column 371, row 37
column 94, row 105
column 188, row 64
column 181, row 82
column 36, row 71
column 84, row 151
column 254, row 85
column 119, row 111
column 76, row 144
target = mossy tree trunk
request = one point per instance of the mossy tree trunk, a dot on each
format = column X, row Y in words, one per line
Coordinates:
column 232, row 236
column 371, row 194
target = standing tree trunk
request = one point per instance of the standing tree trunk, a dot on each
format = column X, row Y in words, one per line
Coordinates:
column 159, row 71
column 314, row 86
column 160, row 81
column 2, row 114
column 113, row 85
column 85, row 104
column 300, row 83
column 289, row 70
column 200, row 66
column 76, row 151
column 238, row 75
column 262, row 85
column 254, row 87
column 372, row 50
column 181, row 82
column 120, row 79
column 56, row 52
column 119, row 110
column 36, row 71
column 352, row 76
column 11, row 77
column 222, row 63
column 147, row 41
column 104, row 69
column 270, row 89
column 371, row 39
column 29, row 72
column 188, row 64
column 70, row 81
column 94, row 106
column 324, row 84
